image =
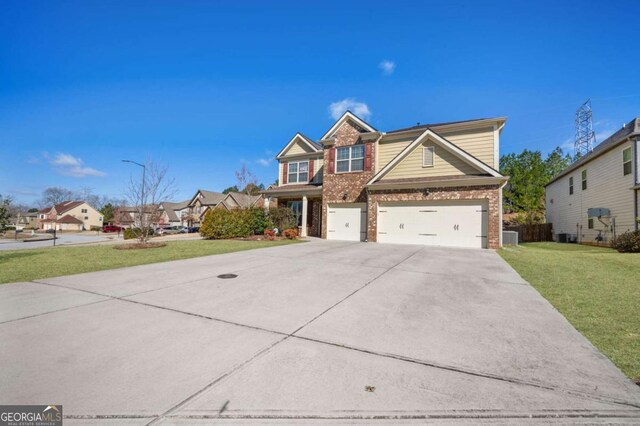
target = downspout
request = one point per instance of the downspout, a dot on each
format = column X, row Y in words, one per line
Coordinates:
column 636, row 179
column 376, row 146
column 500, row 212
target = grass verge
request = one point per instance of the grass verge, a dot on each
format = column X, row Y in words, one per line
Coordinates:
column 33, row 264
column 597, row 289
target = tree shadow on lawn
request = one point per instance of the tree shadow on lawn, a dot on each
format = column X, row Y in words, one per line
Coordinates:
column 17, row 255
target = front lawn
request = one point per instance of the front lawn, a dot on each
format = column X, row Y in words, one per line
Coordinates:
column 33, row 264
column 597, row 289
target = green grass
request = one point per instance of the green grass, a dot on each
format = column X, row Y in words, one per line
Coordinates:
column 32, row 264
column 597, row 289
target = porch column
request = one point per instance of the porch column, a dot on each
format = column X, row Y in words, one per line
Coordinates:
column 303, row 232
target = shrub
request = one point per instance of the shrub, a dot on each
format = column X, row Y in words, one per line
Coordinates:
column 132, row 233
column 95, row 228
column 222, row 224
column 629, row 242
column 270, row 234
column 258, row 220
column 282, row 218
column 291, row 234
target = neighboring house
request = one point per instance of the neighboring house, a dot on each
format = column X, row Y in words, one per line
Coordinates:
column 239, row 200
column 596, row 197
column 26, row 220
column 428, row 184
column 69, row 216
column 129, row 216
column 174, row 214
column 205, row 200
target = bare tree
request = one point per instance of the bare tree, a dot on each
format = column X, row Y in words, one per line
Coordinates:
column 147, row 194
column 55, row 195
column 246, row 180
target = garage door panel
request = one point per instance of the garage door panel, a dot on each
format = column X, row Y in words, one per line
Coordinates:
column 455, row 224
column 346, row 222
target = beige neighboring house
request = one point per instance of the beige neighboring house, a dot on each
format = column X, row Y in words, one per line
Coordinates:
column 26, row 220
column 174, row 214
column 205, row 200
column 596, row 197
column 434, row 184
column 69, row 216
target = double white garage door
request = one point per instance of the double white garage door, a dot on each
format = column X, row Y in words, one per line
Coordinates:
column 452, row 224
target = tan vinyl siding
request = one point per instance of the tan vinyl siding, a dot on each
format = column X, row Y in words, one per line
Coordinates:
column 318, row 170
column 389, row 148
column 445, row 164
column 477, row 142
column 607, row 187
column 299, row 147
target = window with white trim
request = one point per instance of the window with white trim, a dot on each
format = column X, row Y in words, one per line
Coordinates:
column 84, row 210
column 428, row 156
column 584, row 180
column 298, row 172
column 350, row 159
column 626, row 162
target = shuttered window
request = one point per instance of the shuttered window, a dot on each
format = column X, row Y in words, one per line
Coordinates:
column 626, row 162
column 298, row 172
column 350, row 159
column 428, row 154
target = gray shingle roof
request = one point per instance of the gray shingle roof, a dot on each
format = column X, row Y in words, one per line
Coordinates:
column 630, row 129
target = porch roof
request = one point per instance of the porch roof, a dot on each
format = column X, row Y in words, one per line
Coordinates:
column 294, row 190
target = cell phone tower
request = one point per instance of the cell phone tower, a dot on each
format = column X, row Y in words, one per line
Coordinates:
column 585, row 136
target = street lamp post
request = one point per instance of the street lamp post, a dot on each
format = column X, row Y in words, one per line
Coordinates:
column 144, row 169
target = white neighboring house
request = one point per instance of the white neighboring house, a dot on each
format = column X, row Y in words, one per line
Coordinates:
column 596, row 198
column 69, row 216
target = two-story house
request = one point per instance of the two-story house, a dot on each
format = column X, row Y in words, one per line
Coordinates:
column 205, row 200
column 69, row 216
column 596, row 197
column 434, row 184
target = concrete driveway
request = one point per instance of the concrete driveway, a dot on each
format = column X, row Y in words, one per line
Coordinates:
column 316, row 332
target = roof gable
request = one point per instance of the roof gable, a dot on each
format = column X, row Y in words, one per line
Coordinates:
column 207, row 198
column 66, row 206
column 305, row 144
column 439, row 141
column 348, row 115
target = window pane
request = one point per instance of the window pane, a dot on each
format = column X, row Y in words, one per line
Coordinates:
column 303, row 177
column 304, row 167
column 626, row 167
column 293, row 177
column 571, row 181
column 626, row 155
column 342, row 166
column 357, row 165
column 343, row 153
column 357, row 151
column 293, row 167
column 584, row 175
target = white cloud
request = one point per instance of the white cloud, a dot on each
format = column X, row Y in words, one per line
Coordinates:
column 387, row 67
column 68, row 165
column 336, row 109
column 263, row 161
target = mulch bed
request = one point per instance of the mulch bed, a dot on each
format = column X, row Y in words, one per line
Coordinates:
column 258, row 238
column 135, row 246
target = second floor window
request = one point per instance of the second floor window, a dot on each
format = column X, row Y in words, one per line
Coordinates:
column 350, row 159
column 584, row 180
column 298, row 172
column 84, row 210
column 571, row 185
column 626, row 161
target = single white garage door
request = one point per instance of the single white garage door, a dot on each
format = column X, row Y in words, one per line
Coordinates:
column 347, row 222
column 452, row 224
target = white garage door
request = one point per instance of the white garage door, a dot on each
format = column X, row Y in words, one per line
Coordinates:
column 452, row 224
column 346, row 222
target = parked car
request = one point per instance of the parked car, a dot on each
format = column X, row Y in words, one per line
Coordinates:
column 167, row 230
column 193, row 229
column 112, row 228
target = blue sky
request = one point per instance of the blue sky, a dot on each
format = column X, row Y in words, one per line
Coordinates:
column 203, row 86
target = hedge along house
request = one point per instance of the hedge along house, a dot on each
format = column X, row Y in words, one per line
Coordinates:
column 431, row 184
column 596, row 197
